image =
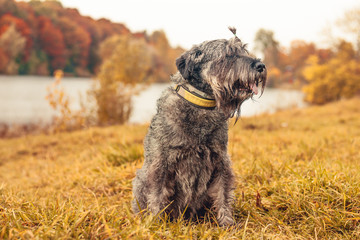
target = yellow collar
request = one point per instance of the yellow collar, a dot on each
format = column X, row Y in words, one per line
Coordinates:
column 195, row 96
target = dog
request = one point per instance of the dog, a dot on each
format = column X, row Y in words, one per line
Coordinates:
column 186, row 169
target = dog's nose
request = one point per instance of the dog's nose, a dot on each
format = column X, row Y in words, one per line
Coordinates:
column 259, row 66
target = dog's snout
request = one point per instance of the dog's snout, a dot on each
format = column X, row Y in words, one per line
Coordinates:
column 259, row 66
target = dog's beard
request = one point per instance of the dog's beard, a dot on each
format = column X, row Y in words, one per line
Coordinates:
column 233, row 81
column 230, row 96
column 230, row 104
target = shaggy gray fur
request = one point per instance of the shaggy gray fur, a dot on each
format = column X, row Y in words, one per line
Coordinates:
column 187, row 169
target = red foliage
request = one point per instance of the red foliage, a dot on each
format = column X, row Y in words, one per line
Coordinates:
column 139, row 35
column 324, row 55
column 77, row 41
column 63, row 34
column 52, row 42
column 87, row 23
column 29, row 17
column 299, row 52
column 3, row 60
column 109, row 28
column 22, row 27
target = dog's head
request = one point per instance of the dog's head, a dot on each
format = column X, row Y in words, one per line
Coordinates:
column 225, row 69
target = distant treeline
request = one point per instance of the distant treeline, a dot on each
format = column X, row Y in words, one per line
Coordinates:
column 39, row 37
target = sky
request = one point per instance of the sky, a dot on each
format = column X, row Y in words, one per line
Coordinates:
column 189, row 22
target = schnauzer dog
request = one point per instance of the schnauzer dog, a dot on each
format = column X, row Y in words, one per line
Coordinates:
column 187, row 170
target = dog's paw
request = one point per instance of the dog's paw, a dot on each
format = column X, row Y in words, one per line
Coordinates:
column 226, row 220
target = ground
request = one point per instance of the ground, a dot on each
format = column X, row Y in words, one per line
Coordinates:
column 297, row 178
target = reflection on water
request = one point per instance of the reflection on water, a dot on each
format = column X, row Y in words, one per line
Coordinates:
column 22, row 99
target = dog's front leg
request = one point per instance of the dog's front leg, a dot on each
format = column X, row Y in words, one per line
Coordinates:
column 161, row 184
column 221, row 195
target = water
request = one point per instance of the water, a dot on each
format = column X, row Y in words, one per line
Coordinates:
column 22, row 99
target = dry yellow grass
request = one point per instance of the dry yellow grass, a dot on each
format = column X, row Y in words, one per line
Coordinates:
column 297, row 173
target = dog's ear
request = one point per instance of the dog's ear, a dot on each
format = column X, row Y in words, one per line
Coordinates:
column 185, row 66
column 188, row 63
column 181, row 65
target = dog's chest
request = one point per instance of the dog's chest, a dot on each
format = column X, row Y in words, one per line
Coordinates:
column 194, row 170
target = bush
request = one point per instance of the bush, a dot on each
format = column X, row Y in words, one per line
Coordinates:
column 127, row 63
column 335, row 79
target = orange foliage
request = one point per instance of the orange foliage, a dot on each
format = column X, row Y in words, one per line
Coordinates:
column 4, row 59
column 335, row 79
column 7, row 6
column 77, row 41
column 61, row 38
column 324, row 55
column 52, row 41
column 109, row 28
column 299, row 52
column 13, row 44
column 21, row 26
column 291, row 63
column 165, row 56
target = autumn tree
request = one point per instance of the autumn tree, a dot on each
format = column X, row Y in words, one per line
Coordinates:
column 333, row 75
column 77, row 41
column 297, row 55
column 61, row 38
column 12, row 44
column 265, row 43
column 109, row 28
column 22, row 27
column 52, row 42
column 7, row 6
column 4, row 61
column 165, row 56
column 335, row 79
column 350, row 23
column 95, row 32
column 48, row 8
column 128, row 62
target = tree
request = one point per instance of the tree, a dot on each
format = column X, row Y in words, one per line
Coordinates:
column 77, row 41
column 22, row 27
column 48, row 8
column 52, row 42
column 128, row 62
column 298, row 53
column 7, row 6
column 268, row 46
column 13, row 44
column 350, row 23
column 164, row 57
column 94, row 30
column 61, row 38
column 4, row 61
column 109, row 29
column 338, row 78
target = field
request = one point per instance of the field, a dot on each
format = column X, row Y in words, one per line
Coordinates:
column 298, row 177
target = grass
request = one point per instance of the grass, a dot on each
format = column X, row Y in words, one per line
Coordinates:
column 297, row 178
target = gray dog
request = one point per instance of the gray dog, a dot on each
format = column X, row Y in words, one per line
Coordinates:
column 187, row 169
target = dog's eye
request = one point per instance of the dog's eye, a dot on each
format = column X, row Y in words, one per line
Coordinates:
column 198, row 53
column 258, row 81
column 237, row 85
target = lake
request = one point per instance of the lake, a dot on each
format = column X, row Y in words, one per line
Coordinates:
column 22, row 99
